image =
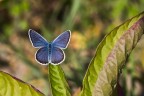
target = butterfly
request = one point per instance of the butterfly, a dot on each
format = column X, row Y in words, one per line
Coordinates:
column 49, row 52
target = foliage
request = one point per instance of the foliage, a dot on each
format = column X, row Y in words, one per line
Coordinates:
column 89, row 21
column 58, row 82
column 104, row 70
column 11, row 86
column 111, row 55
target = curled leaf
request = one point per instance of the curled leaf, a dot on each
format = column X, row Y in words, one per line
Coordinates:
column 110, row 57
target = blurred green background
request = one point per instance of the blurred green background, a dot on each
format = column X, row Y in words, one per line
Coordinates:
column 89, row 21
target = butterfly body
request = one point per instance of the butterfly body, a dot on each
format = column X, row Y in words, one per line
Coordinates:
column 50, row 48
column 49, row 52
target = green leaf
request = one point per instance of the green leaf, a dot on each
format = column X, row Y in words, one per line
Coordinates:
column 12, row 86
column 111, row 56
column 58, row 82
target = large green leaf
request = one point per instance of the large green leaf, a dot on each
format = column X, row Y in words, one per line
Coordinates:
column 58, row 82
column 110, row 57
column 11, row 86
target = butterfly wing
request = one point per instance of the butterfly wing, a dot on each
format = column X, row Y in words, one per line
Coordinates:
column 36, row 39
column 57, row 56
column 62, row 40
column 42, row 55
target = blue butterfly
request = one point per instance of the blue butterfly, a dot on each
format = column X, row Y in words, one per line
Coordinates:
column 49, row 52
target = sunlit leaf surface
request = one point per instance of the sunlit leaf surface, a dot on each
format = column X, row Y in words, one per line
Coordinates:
column 58, row 82
column 11, row 86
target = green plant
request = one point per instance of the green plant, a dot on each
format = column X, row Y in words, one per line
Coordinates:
column 103, row 72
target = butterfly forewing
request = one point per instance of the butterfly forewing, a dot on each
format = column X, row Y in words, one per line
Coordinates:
column 57, row 56
column 42, row 55
column 62, row 40
column 49, row 52
column 36, row 39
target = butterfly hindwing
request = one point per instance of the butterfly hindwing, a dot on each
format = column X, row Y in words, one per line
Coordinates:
column 42, row 55
column 62, row 40
column 36, row 39
column 57, row 56
column 49, row 52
